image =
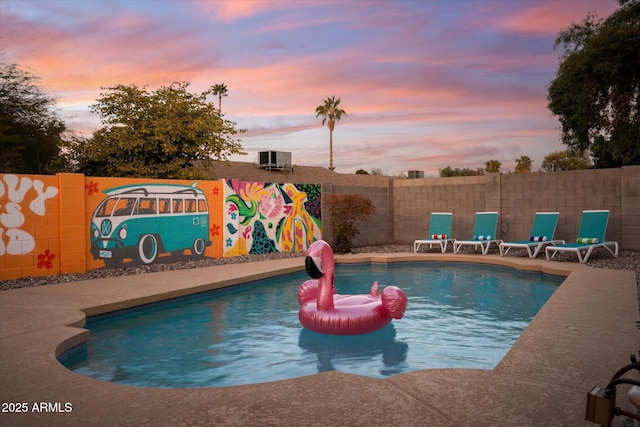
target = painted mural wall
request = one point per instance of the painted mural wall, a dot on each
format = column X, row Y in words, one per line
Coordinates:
column 137, row 221
column 265, row 217
column 29, row 225
column 69, row 223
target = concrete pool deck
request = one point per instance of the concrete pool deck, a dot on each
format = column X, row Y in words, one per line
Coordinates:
column 579, row 339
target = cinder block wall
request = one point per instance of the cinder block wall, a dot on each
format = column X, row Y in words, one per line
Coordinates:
column 517, row 197
column 415, row 199
column 568, row 192
column 630, row 208
column 379, row 229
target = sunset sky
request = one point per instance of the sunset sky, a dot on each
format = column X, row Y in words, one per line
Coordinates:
column 425, row 83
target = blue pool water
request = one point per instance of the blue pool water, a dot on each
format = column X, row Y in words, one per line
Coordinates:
column 458, row 315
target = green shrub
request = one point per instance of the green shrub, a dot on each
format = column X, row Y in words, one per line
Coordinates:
column 347, row 212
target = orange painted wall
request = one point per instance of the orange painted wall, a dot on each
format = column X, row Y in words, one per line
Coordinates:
column 45, row 221
column 94, row 188
column 30, row 226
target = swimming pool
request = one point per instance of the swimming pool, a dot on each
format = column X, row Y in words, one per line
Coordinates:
column 459, row 315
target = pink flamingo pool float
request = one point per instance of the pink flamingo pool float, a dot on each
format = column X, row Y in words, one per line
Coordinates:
column 323, row 310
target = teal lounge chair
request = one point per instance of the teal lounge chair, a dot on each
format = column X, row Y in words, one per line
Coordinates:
column 593, row 227
column 542, row 232
column 484, row 233
column 439, row 232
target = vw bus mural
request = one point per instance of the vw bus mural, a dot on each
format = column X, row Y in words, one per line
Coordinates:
column 140, row 222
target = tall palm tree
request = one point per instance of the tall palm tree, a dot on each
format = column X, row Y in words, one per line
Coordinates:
column 493, row 166
column 523, row 164
column 220, row 90
column 330, row 114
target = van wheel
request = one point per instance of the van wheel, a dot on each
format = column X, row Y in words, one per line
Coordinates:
column 197, row 250
column 148, row 248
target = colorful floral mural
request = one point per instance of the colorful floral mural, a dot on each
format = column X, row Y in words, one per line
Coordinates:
column 267, row 217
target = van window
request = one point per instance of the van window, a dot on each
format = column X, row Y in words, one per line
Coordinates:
column 190, row 205
column 202, row 205
column 124, row 206
column 177, row 206
column 146, row 206
column 165, row 206
column 105, row 208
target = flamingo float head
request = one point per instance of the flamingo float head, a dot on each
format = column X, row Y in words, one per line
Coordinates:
column 313, row 265
column 319, row 261
column 320, row 265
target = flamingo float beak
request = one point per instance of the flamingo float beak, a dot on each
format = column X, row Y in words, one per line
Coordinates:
column 313, row 265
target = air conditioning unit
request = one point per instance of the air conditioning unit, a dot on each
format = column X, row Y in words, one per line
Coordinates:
column 275, row 160
column 415, row 174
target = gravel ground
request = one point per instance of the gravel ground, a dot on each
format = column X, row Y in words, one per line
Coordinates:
column 627, row 260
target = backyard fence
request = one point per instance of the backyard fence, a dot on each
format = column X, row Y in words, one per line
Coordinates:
column 69, row 223
column 403, row 206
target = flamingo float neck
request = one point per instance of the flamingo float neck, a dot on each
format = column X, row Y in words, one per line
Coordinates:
column 326, row 275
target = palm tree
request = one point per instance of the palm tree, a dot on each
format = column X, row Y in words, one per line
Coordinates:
column 493, row 166
column 220, row 90
column 330, row 114
column 523, row 164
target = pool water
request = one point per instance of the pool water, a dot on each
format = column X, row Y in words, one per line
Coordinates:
column 458, row 316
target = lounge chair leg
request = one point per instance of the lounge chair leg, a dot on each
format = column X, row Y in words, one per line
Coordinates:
column 614, row 251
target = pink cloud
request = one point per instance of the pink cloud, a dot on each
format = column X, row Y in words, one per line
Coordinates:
column 233, row 10
column 549, row 17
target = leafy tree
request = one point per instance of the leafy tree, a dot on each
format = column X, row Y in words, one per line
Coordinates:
column 596, row 93
column 566, row 160
column 449, row 172
column 330, row 114
column 31, row 133
column 493, row 166
column 523, row 164
column 347, row 212
column 161, row 134
column 374, row 171
column 220, row 90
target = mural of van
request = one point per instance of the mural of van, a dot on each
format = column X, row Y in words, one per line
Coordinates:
column 142, row 221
